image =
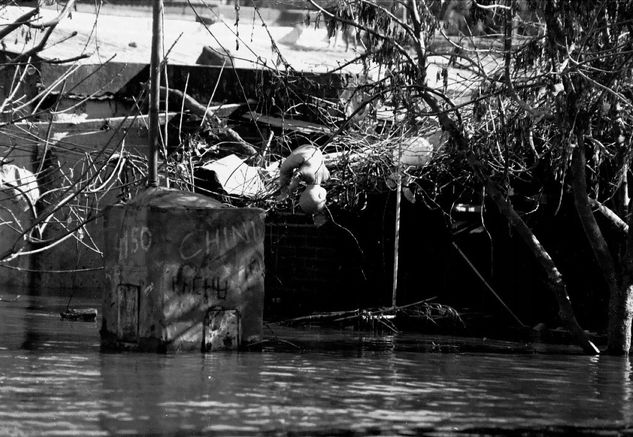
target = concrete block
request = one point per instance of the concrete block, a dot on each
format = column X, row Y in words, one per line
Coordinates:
column 183, row 272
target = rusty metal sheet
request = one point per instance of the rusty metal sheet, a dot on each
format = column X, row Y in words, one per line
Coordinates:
column 128, row 312
column 221, row 330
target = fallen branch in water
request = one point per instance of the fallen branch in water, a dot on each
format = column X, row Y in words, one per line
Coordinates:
column 384, row 318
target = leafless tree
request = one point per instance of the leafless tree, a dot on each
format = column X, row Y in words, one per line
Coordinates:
column 530, row 93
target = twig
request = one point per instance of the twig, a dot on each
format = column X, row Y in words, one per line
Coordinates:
column 24, row 19
column 54, row 22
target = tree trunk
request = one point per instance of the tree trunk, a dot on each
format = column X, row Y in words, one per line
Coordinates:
column 618, row 320
column 620, row 312
column 555, row 280
column 614, row 220
column 587, row 218
column 621, row 304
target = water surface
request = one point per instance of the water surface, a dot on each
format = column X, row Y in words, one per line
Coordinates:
column 55, row 381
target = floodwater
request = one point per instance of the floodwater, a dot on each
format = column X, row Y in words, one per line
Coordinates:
column 55, row 381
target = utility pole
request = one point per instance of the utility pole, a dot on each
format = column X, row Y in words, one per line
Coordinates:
column 154, row 94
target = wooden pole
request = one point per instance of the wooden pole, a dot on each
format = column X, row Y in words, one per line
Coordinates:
column 154, row 95
column 396, row 237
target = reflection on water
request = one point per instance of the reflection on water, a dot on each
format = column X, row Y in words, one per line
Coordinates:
column 54, row 380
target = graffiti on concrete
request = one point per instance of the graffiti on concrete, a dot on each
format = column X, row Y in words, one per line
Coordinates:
column 219, row 240
column 134, row 239
column 199, row 281
column 215, row 283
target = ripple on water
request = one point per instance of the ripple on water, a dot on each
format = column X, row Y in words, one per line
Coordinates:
column 62, row 385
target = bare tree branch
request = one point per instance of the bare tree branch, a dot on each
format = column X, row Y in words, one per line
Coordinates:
column 54, row 22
